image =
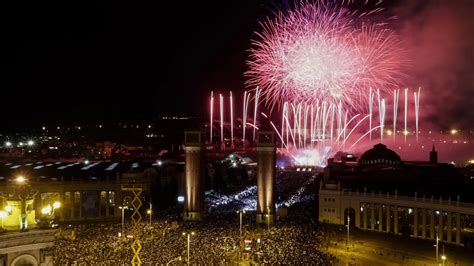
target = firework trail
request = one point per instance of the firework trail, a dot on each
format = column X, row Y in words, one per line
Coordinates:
column 319, row 51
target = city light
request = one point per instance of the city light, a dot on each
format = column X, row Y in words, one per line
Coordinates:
column 20, row 179
column 56, row 204
column 30, row 143
column 389, row 132
column 46, row 210
column 8, row 144
column 454, row 131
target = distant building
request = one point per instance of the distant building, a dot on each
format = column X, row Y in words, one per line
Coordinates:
column 382, row 193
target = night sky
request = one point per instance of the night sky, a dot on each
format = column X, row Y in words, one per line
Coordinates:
column 85, row 61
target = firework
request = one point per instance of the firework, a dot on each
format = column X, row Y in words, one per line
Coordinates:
column 320, row 51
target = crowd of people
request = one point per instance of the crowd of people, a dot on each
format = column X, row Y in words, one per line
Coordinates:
column 216, row 238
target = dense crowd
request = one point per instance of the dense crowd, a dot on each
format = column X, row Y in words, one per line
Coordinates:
column 293, row 240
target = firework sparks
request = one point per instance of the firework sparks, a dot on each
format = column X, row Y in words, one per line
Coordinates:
column 320, row 51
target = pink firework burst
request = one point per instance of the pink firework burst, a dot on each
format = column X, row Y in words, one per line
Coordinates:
column 322, row 52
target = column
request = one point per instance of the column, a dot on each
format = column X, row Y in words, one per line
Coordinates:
column 72, row 201
column 415, row 226
column 440, row 226
column 387, row 209
column 380, row 218
column 193, row 175
column 423, row 223
column 395, row 220
column 458, row 228
column 61, row 210
column 118, row 201
column 372, row 216
column 99, row 192
column 364, row 217
column 107, row 200
column 432, row 224
column 266, row 159
column 357, row 216
column 448, row 228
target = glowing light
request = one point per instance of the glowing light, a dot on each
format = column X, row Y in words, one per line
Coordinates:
column 148, row 211
column 3, row 214
column 471, row 161
column 317, row 51
column 454, row 131
column 8, row 144
column 86, row 162
column 389, row 132
column 56, row 205
column 8, row 208
column 20, row 179
column 46, row 210
column 180, row 199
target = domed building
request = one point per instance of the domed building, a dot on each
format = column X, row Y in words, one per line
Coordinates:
column 379, row 155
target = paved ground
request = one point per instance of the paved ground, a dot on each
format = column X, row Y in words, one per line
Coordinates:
column 369, row 248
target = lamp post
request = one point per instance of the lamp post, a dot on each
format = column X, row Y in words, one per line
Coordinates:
column 241, row 214
column 189, row 240
column 437, row 244
column 348, row 226
column 123, row 208
column 150, row 212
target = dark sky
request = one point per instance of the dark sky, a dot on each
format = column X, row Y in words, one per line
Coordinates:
column 86, row 61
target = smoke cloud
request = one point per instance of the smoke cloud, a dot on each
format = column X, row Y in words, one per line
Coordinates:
column 439, row 35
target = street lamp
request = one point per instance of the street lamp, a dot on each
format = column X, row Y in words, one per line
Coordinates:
column 189, row 240
column 20, row 179
column 348, row 226
column 3, row 215
column 241, row 213
column 149, row 212
column 443, row 257
column 123, row 208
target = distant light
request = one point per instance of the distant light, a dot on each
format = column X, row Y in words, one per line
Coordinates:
column 8, row 208
column 3, row 214
column 56, row 204
column 437, row 212
column 454, row 131
column 119, row 234
column 86, row 162
column 46, row 210
column 349, row 156
column 30, row 143
column 406, row 132
column 100, row 126
column 43, row 128
column 471, row 161
column 258, row 240
column 8, row 144
column 389, row 132
column 180, row 198
column 20, row 144
column 443, row 257
column 20, row 179
column 149, row 126
column 148, row 211
column 409, row 210
column 234, row 164
column 160, row 162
